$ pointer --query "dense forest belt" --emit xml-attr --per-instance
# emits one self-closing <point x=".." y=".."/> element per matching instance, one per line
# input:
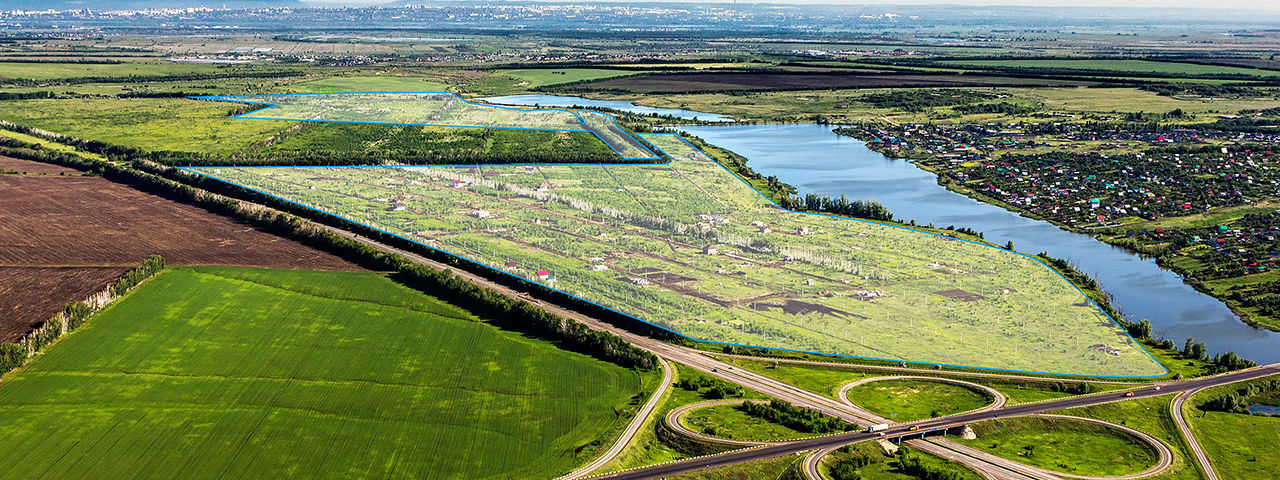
<point x="741" y="82"/>
<point x="500" y="310"/>
<point x="178" y="77"/>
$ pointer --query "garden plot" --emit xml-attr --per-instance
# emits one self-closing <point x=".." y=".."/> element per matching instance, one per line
<point x="691" y="248"/>
<point x="439" y="109"/>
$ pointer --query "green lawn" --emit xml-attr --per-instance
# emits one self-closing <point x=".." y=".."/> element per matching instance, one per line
<point x="257" y="373"/>
<point x="728" y="421"/>
<point x="177" y="124"/>
<point x="905" y="400"/>
<point x="1068" y="446"/>
<point x="380" y="83"/>
<point x="541" y="77"/>
<point x="1150" y="415"/>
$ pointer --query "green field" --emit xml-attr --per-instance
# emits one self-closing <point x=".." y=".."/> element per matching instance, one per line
<point x="633" y="238"/>
<point x="906" y="399"/>
<point x="380" y="83"/>
<point x="257" y="373"/>
<point x="176" y="124"/>
<point x="1064" y="445"/>
<point x="882" y="466"/>
<point x="541" y="77"/>
<point x="728" y="421"/>
<point x="409" y="144"/>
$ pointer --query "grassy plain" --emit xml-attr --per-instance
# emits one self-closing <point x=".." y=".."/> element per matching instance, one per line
<point x="904" y="400"/>
<point x="369" y="83"/>
<point x="1151" y="416"/>
<point x="1068" y="446"/>
<point x="633" y="237"/>
<point x="175" y="124"/>
<point x="49" y="71"/>
<point x="255" y="373"/>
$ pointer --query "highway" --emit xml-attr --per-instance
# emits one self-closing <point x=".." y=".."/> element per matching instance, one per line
<point x="766" y="452"/>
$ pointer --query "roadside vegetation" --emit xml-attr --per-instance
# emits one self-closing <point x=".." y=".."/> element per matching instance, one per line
<point x="868" y="461"/>
<point x="1063" y="445"/>
<point x="1247" y="451"/>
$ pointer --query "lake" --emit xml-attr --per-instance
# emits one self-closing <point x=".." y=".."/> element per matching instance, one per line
<point x="563" y="101"/>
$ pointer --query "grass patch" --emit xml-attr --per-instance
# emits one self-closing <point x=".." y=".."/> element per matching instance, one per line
<point x="1068" y="446"/>
<point x="874" y="464"/>
<point x="729" y="421"/>
<point x="904" y="400"/>
<point x="786" y="467"/>
<point x="257" y="373"/>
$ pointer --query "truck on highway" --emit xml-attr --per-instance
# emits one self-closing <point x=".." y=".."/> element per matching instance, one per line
<point x="879" y="427"/>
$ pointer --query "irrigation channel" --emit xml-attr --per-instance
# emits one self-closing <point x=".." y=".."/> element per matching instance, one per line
<point x="813" y="159"/>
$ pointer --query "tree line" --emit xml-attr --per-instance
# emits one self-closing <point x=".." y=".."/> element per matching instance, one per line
<point x="72" y="316"/>
<point x="795" y="418"/>
<point x="502" y="310"/>
<point x="812" y="202"/>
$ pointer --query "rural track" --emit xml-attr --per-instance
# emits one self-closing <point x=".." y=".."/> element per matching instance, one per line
<point x="632" y="429"/>
<point x="1189" y="436"/>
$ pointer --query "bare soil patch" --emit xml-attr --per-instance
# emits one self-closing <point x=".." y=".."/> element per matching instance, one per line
<point x="30" y="295"/>
<point x="961" y="295"/>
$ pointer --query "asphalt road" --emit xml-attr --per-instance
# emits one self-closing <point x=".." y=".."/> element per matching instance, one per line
<point x="762" y="453"/>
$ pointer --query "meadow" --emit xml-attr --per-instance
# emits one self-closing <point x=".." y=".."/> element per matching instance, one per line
<point x="729" y="421"/>
<point x="904" y="400"/>
<point x="689" y="247"/>
<point x="1248" y="451"/>
<point x="368" y="83"/>
<point x="214" y="372"/>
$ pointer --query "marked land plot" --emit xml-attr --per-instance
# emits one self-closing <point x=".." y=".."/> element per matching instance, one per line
<point x="440" y="109"/>
<point x="689" y="247"/>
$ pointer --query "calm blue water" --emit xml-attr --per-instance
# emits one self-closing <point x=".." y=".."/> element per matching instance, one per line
<point x="1264" y="410"/>
<point x="813" y="159"/>
<point x="563" y="101"/>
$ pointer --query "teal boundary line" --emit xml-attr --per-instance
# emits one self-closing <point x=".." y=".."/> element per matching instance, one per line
<point x="576" y="113"/>
<point x="196" y="170"/>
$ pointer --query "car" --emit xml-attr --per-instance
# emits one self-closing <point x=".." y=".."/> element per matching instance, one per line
<point x="1128" y="394"/>
<point x="913" y="428"/>
<point x="881" y="434"/>
<point x="1157" y="388"/>
<point x="714" y="370"/>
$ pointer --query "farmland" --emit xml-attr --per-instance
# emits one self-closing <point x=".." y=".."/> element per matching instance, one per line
<point x="438" y="109"/>
<point x="261" y="373"/>
<point x="736" y="81"/>
<point x="689" y="247"/>
<point x="66" y="237"/>
<point x="20" y="166"/>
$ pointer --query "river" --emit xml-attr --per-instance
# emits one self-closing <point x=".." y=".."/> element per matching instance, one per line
<point x="814" y="159"/>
